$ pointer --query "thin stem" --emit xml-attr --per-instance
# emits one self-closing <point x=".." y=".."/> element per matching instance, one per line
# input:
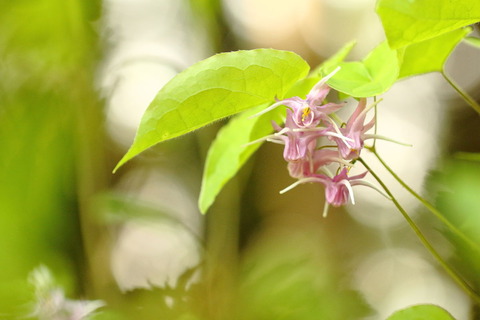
<point x="428" y="205"/>
<point x="462" y="93"/>
<point x="336" y="118"/>
<point x="424" y="240"/>
<point x="375" y="116"/>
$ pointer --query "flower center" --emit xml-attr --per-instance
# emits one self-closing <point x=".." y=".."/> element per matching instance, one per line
<point x="306" y="112"/>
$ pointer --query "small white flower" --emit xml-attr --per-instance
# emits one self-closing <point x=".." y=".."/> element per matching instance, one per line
<point x="51" y="303"/>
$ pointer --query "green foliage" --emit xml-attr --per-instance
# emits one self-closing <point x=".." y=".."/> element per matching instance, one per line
<point x="408" y="22"/>
<point x="370" y="77"/>
<point x="215" y="88"/>
<point x="456" y="187"/>
<point x="331" y="63"/>
<point x="228" y="152"/>
<point x="429" y="55"/>
<point x="116" y="209"/>
<point x="45" y="86"/>
<point x="288" y="275"/>
<point x="422" y="312"/>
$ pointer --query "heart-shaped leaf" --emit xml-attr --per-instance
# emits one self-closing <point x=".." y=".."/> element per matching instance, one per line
<point x="372" y="76"/>
<point x="407" y="22"/>
<point x="229" y="151"/>
<point x="215" y="88"/>
<point x="429" y="55"/>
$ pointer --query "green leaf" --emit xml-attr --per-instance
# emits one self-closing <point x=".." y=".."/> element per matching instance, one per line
<point x="429" y="55"/>
<point x="331" y="63"/>
<point x="372" y="76"/>
<point x="215" y="88"/>
<point x="422" y="312"/>
<point x="407" y="22"/>
<point x="228" y="152"/>
<point x="473" y="41"/>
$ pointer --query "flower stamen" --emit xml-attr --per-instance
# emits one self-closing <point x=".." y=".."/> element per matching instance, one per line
<point x="306" y="112"/>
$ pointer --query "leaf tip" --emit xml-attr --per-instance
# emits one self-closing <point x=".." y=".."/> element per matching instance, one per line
<point x="203" y="205"/>
<point x="119" y="164"/>
<point x="122" y="161"/>
<point x="207" y="195"/>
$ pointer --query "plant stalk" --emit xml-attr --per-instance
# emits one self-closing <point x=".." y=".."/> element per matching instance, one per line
<point x="468" y="99"/>
<point x="464" y="285"/>
<point x="428" y="205"/>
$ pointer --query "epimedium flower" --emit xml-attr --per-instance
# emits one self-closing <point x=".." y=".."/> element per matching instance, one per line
<point x="308" y="112"/>
<point x="338" y="189"/>
<point x="300" y="143"/>
<point x="355" y="130"/>
<point x="307" y="167"/>
<point x="306" y="121"/>
<point x="351" y="138"/>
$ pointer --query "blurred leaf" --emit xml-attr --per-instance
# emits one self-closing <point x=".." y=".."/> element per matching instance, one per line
<point x="228" y="152"/>
<point x="215" y="88"/>
<point x="422" y="312"/>
<point x="370" y="77"/>
<point x="170" y="302"/>
<point x="429" y="55"/>
<point x="407" y="22"/>
<point x="331" y="63"/>
<point x="461" y="203"/>
<point x="211" y="18"/>
<point x="456" y="188"/>
<point x="46" y="52"/>
<point x="290" y="275"/>
<point x="118" y="208"/>
<point x="473" y="41"/>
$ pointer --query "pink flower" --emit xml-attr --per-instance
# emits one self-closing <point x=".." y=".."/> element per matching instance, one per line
<point x="355" y="130"/>
<point x="338" y="189"/>
<point x="300" y="143"/>
<point x="308" y="167"/>
<point x="307" y="113"/>
<point x="306" y="121"/>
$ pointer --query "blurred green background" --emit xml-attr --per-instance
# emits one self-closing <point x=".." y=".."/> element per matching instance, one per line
<point x="136" y="240"/>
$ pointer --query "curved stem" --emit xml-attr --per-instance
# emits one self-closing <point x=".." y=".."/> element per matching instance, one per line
<point x="424" y="240"/>
<point x="462" y="93"/>
<point x="428" y="205"/>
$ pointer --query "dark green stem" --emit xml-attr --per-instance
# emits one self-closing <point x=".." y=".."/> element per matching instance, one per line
<point x="424" y="240"/>
<point x="462" y="93"/>
<point x="428" y="205"/>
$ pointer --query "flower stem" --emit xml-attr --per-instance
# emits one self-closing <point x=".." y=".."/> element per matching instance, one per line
<point x="424" y="240"/>
<point x="429" y="206"/>
<point x="462" y="93"/>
